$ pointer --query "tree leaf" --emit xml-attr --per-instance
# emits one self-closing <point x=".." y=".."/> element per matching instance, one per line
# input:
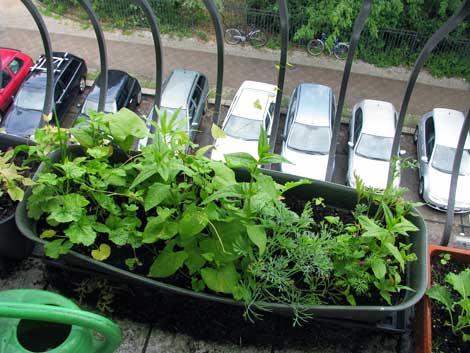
<point x="102" y="253"/>
<point x="167" y="263"/>
<point x="221" y="280"/>
<point x="257" y="235"/>
<point x="217" y="132"/>
<point x="156" y="194"/>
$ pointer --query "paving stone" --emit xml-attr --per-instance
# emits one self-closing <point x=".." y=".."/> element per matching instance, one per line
<point x="28" y="273"/>
<point x="164" y="342"/>
<point x="133" y="336"/>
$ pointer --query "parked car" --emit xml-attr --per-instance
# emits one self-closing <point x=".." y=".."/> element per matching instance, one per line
<point x="14" y="66"/>
<point x="24" y="115"/>
<point x="436" y="136"/>
<point x="251" y="109"/>
<point x="123" y="91"/>
<point x="371" y="132"/>
<point x="185" y="90"/>
<point x="308" y="131"/>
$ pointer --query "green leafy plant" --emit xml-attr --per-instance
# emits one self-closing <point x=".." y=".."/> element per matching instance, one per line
<point x="456" y="300"/>
<point x="162" y="211"/>
<point x="11" y="177"/>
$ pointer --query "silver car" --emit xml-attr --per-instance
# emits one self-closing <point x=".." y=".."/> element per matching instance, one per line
<point x="308" y="130"/>
<point x="436" y="136"/>
<point x="371" y="132"/>
<point x="186" y="90"/>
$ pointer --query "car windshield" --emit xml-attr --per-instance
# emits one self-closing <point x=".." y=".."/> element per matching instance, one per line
<point x="31" y="99"/>
<point x="310" y="139"/>
<point x="375" y="147"/>
<point x="109" y="107"/>
<point x="243" y="128"/>
<point x="180" y="119"/>
<point x="443" y="160"/>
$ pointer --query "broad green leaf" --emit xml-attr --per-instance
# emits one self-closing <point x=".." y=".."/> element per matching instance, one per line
<point x="107" y="202"/>
<point x="15" y="193"/>
<point x="272" y="158"/>
<point x="126" y="123"/>
<point x="83" y="136"/>
<point x="389" y="219"/>
<point x="378" y="267"/>
<point x="193" y="221"/>
<point x="225" y="176"/>
<point x="396" y="254"/>
<point x="144" y="174"/>
<point x="67" y="208"/>
<point x="81" y="232"/>
<point x="203" y="150"/>
<point x="167" y="263"/>
<point x="332" y="220"/>
<point x="99" y="152"/>
<point x="102" y="253"/>
<point x="156" y="194"/>
<point x="159" y="228"/>
<point x="257" y="235"/>
<point x="293" y="184"/>
<point x="48" y="233"/>
<point x="221" y="280"/>
<point x="404" y="227"/>
<point x="372" y="229"/>
<point x="217" y="132"/>
<point x="442" y="295"/>
<point x="460" y="282"/>
<point x="57" y="247"/>
<point x="240" y="160"/>
<point x="195" y="260"/>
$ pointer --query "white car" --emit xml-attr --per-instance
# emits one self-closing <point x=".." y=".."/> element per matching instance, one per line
<point x="251" y="109"/>
<point x="308" y="130"/>
<point x="437" y="136"/>
<point x="371" y="133"/>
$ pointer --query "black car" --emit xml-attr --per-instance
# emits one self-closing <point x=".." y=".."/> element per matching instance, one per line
<point x="123" y="91"/>
<point x="24" y="115"/>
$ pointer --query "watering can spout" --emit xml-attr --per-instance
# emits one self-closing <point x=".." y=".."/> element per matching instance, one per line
<point x="39" y="321"/>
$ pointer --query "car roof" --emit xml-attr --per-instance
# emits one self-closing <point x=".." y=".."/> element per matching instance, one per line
<point x="178" y="87"/>
<point x="116" y="80"/>
<point x="7" y="55"/>
<point x="247" y="96"/>
<point x="378" y="118"/>
<point x="314" y="104"/>
<point x="448" y="124"/>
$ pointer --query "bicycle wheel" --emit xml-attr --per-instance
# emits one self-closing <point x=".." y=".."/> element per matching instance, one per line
<point x="232" y="36"/>
<point x="341" y="51"/>
<point x="258" y="39"/>
<point x="315" y="47"/>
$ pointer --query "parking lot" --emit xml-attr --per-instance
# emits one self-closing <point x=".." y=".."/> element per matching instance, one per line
<point x="435" y="220"/>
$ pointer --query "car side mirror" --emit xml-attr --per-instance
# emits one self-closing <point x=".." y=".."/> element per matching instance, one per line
<point x="351" y="144"/>
<point x="424" y="159"/>
<point x="402" y="152"/>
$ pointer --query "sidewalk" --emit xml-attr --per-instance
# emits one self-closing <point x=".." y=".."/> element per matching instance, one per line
<point x="135" y="54"/>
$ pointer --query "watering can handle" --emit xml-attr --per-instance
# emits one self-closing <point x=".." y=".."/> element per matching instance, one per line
<point x="67" y="316"/>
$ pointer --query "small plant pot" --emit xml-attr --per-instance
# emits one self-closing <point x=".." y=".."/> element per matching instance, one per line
<point x="335" y="195"/>
<point x="423" y="321"/>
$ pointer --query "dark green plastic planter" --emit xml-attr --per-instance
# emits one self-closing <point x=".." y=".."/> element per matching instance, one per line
<point x="334" y="195"/>
<point x="12" y="244"/>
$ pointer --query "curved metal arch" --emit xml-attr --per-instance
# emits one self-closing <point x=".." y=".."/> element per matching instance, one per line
<point x="46" y="41"/>
<point x="355" y="36"/>
<point x="459" y="15"/>
<point x="453" y="181"/>
<point x="102" y="49"/>
<point x="152" y="19"/>
<point x="219" y="35"/>
<point x="284" y="22"/>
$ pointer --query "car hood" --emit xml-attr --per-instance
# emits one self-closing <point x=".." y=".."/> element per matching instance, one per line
<point x="439" y="185"/>
<point x="231" y="145"/>
<point x="305" y="165"/>
<point x="22" y="122"/>
<point x="373" y="173"/>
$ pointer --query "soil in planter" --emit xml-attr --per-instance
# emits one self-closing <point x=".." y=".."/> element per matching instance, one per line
<point x="214" y="322"/>
<point x="443" y="340"/>
<point x="7" y="206"/>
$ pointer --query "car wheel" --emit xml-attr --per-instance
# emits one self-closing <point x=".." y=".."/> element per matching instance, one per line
<point x="421" y="187"/>
<point x="139" y="98"/>
<point x="82" y="84"/>
<point x="415" y="135"/>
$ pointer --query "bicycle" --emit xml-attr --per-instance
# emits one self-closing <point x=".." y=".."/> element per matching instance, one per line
<point x="317" y="46"/>
<point x="255" y="36"/>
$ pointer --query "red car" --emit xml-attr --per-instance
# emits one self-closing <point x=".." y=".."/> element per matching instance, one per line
<point x="15" y="67"/>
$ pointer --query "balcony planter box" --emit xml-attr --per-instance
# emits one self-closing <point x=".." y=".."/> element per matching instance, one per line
<point x="423" y="322"/>
<point x="12" y="244"/>
<point x="334" y="195"/>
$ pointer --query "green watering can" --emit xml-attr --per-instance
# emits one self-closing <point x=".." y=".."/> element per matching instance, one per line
<point x="39" y="321"/>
